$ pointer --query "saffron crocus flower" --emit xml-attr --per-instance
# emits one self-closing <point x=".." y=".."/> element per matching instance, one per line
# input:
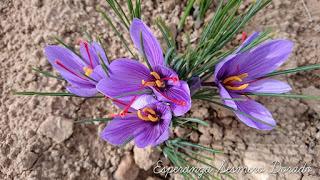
<point x="82" y="73"/>
<point x="128" y="76"/>
<point x="244" y="72"/>
<point x="147" y="126"/>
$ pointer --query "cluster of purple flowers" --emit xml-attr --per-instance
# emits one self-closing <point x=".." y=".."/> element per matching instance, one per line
<point x="150" y="96"/>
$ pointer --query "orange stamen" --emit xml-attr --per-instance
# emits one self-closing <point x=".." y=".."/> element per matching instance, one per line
<point x="232" y="79"/>
<point x="150" y="115"/>
<point x="237" y="88"/>
<point x="155" y="75"/>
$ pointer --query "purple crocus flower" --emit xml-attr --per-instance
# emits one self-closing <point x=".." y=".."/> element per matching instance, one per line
<point x="82" y="73"/>
<point x="244" y="72"/>
<point x="128" y="77"/>
<point x="148" y="125"/>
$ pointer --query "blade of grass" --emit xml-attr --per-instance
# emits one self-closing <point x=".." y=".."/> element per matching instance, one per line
<point x="296" y="96"/>
<point x="86" y="121"/>
<point x="186" y="13"/>
<point x="294" y="70"/>
<point x="33" y="93"/>
<point x="143" y="52"/>
<point x="193" y="120"/>
<point x="46" y="73"/>
<point x="106" y="17"/>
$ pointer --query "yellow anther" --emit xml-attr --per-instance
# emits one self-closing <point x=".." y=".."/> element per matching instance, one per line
<point x="149" y="110"/>
<point x="232" y="79"/>
<point x="153" y="118"/>
<point x="228" y="81"/>
<point x="242" y="76"/>
<point x="159" y="83"/>
<point x="145" y="118"/>
<point x="235" y="78"/>
<point x="149" y="115"/>
<point x="146" y="83"/>
<point x="237" y="88"/>
<point x="155" y="75"/>
<point x="87" y="71"/>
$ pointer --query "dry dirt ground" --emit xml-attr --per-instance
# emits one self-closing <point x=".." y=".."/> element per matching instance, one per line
<point x="39" y="141"/>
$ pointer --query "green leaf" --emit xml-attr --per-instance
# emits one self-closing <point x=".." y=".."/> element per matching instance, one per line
<point x="294" y="70"/>
<point x="185" y="143"/>
<point x="106" y="17"/>
<point x="33" y="93"/>
<point x="166" y="33"/>
<point x="130" y="7"/>
<point x="59" y="41"/>
<point x="143" y="52"/>
<point x="119" y="12"/>
<point x="89" y="121"/>
<point x="186" y="13"/>
<point x="192" y="120"/>
<point x="296" y="96"/>
<point x="47" y="73"/>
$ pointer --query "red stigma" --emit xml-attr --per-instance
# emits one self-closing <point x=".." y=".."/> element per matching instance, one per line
<point x="127" y="106"/>
<point x="88" y="52"/>
<point x="174" y="79"/>
<point x="176" y="101"/>
<point x="59" y="63"/>
<point x="243" y="36"/>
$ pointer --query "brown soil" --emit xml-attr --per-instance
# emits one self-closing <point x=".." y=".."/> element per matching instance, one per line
<point x="31" y="148"/>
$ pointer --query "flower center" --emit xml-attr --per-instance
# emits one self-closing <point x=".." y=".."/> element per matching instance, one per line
<point x="228" y="82"/>
<point x="148" y="114"/>
<point x="158" y="81"/>
<point x="87" y="71"/>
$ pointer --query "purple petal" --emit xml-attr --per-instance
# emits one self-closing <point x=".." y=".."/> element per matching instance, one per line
<point x="100" y="52"/>
<point x="195" y="84"/>
<point x="142" y="101"/>
<point x="151" y="45"/>
<point x="156" y="133"/>
<point x="149" y="135"/>
<point x="225" y="95"/>
<point x="259" y="61"/>
<point x="83" y="91"/>
<point x="178" y="97"/>
<point x="70" y="60"/>
<point x="166" y="72"/>
<point x="89" y="54"/>
<point x="121" y="130"/>
<point x="126" y="77"/>
<point x="99" y="73"/>
<point x="251" y="38"/>
<point x="268" y="86"/>
<point x="222" y="70"/>
<point x="262" y="120"/>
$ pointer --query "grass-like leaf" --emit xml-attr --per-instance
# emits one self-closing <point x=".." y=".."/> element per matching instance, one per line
<point x="46" y="73"/>
<point x="295" y="96"/>
<point x="186" y="13"/>
<point x="106" y="17"/>
<point x="143" y="51"/>
<point x="294" y="70"/>
<point x="33" y="93"/>
<point x="89" y="121"/>
<point x="117" y="9"/>
<point x="191" y="120"/>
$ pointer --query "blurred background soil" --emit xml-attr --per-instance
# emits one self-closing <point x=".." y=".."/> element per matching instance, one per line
<point x="38" y="139"/>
